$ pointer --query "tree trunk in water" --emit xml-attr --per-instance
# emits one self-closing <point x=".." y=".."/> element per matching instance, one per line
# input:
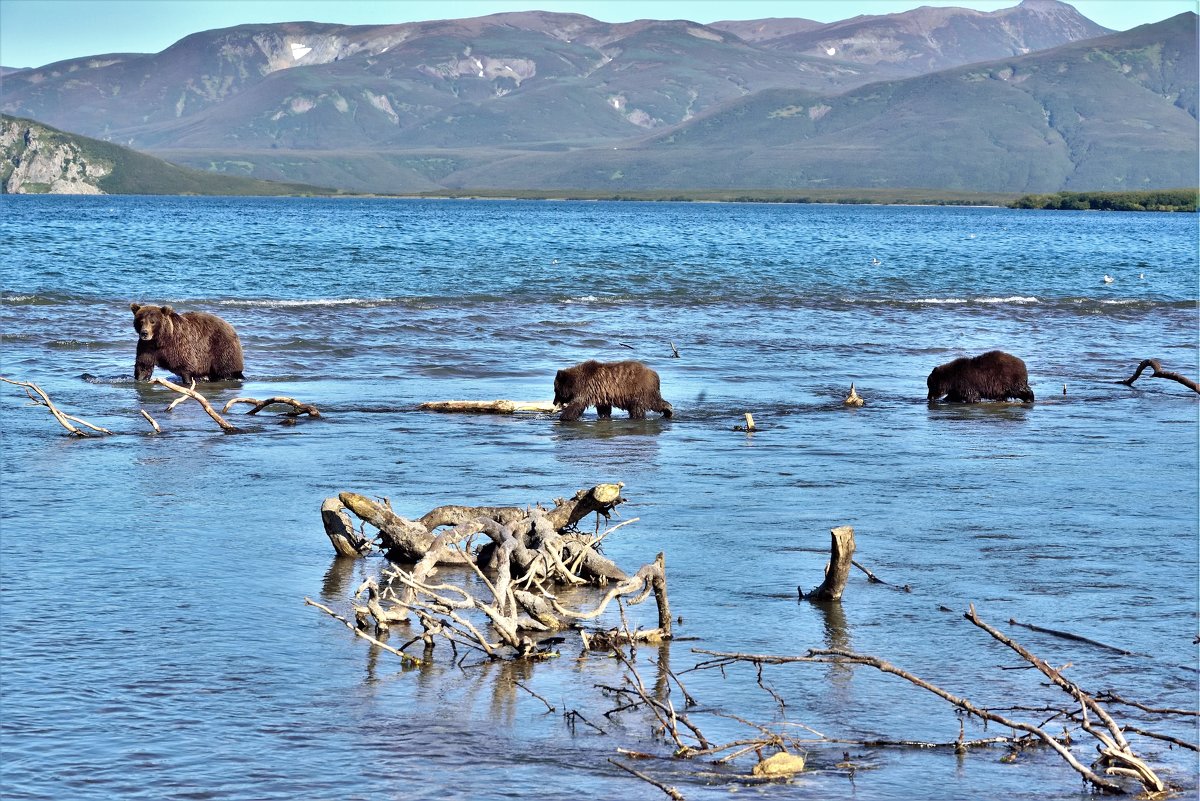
<point x="841" y="557"/>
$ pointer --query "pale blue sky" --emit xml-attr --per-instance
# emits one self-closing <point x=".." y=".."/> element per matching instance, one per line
<point x="38" y="32"/>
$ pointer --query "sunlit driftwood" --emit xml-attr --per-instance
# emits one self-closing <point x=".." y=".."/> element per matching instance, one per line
<point x="1117" y="758"/>
<point x="298" y="408"/>
<point x="40" y="398"/>
<point x="488" y="407"/>
<point x="517" y="556"/>
<point x="153" y="423"/>
<point x="1158" y="372"/>
<point x="346" y="541"/>
<point x="187" y="392"/>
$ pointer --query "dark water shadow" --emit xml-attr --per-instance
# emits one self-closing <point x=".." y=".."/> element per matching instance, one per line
<point x="610" y="428"/>
<point x="984" y="412"/>
<point x="608" y="442"/>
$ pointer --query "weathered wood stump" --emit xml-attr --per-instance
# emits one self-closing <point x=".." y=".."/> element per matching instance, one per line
<point x="841" y="559"/>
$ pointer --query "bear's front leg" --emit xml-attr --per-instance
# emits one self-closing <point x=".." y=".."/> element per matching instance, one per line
<point x="603" y="411"/>
<point x="143" y="366"/>
<point x="572" y="411"/>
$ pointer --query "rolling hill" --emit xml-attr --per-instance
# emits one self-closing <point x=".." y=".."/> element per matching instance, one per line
<point x="538" y="100"/>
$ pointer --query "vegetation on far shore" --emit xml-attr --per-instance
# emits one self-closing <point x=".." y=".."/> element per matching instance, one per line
<point x="899" y="197"/>
<point x="1144" y="200"/>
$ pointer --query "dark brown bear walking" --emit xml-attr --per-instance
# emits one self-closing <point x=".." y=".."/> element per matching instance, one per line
<point x="194" y="345"/>
<point x="994" y="375"/>
<point x="630" y="385"/>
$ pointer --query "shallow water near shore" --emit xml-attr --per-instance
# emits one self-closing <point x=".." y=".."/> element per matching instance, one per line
<point x="154" y="641"/>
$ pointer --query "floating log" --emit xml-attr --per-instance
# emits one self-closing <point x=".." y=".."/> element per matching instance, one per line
<point x="488" y="407"/>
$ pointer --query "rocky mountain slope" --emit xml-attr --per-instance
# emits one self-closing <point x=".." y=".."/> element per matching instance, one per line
<point x="37" y="159"/>
<point x="929" y="39"/>
<point x="535" y="99"/>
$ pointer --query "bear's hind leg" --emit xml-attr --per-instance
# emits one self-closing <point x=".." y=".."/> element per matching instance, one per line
<point x="603" y="411"/>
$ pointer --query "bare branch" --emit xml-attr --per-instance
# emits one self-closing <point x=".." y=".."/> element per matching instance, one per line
<point x="412" y="660"/>
<point x="298" y="407"/>
<point x="152" y="421"/>
<point x="1160" y="373"/>
<point x="43" y="399"/>
<point x="225" y="425"/>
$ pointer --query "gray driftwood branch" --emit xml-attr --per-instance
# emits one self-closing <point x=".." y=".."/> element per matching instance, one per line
<point x="1158" y="372"/>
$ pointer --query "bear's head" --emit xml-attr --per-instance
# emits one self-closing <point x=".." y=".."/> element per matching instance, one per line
<point x="564" y="387"/>
<point x="152" y="322"/>
<point x="937" y="382"/>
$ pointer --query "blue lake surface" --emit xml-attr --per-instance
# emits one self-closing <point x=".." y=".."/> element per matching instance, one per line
<point x="154" y="642"/>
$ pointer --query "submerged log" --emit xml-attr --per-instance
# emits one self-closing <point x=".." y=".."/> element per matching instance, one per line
<point x="488" y="407"/>
<point x="841" y="558"/>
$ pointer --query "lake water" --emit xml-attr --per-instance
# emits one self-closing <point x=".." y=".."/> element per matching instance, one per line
<point x="154" y="639"/>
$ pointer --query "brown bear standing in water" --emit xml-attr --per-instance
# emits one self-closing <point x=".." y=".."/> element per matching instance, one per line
<point x="630" y="385"/>
<point x="994" y="375"/>
<point x="194" y="345"/>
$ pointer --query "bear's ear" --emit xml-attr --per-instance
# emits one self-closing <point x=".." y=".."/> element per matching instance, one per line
<point x="133" y="307"/>
<point x="167" y="310"/>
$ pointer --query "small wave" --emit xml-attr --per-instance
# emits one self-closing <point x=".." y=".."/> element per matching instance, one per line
<point x="990" y="300"/>
<point x="585" y="299"/>
<point x="316" y="302"/>
<point x="46" y="299"/>
<point x="77" y="344"/>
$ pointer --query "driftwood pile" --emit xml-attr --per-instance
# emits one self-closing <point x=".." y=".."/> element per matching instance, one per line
<point x="524" y="554"/>
<point x="519" y="555"/>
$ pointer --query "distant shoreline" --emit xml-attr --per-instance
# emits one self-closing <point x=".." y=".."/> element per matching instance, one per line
<point x="1162" y="200"/>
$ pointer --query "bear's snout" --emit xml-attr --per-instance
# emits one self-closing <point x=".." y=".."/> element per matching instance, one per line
<point x="146" y="333"/>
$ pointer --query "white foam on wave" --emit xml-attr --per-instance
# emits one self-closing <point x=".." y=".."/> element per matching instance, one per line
<point x="1010" y="299"/>
<point x="17" y="298"/>
<point x="596" y="299"/>
<point x="274" y="304"/>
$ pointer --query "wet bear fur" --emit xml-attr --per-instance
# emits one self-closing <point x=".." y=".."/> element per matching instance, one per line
<point x="994" y="375"/>
<point x="628" y="385"/>
<point x="194" y="345"/>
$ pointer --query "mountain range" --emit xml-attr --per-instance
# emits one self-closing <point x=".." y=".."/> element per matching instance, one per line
<point x="1034" y="98"/>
